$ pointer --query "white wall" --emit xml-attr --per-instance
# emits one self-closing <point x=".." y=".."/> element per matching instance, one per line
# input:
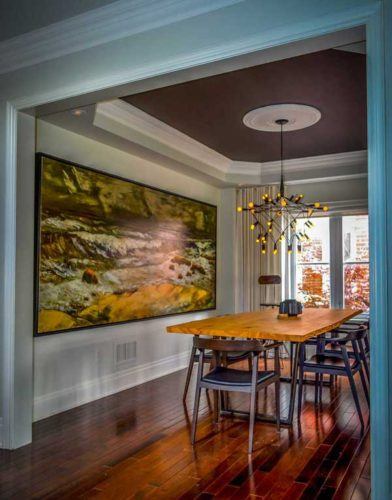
<point x="76" y="367"/>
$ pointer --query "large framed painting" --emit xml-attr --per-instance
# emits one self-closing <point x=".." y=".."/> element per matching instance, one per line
<point x="110" y="250"/>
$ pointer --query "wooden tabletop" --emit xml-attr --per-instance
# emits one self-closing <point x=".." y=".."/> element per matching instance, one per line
<point x="265" y="324"/>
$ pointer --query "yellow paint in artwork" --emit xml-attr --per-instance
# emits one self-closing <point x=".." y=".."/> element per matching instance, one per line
<point x="51" y="320"/>
<point x="146" y="302"/>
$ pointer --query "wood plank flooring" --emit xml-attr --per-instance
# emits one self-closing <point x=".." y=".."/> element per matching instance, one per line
<point x="135" y="444"/>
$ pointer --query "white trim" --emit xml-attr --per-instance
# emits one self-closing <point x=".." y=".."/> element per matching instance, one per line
<point x="358" y="47"/>
<point x="122" y="119"/>
<point x="315" y="178"/>
<point x="71" y="397"/>
<point x="308" y="164"/>
<point x="9" y="242"/>
<point x="360" y="204"/>
<point x="146" y="130"/>
<point x="336" y="260"/>
<point x="117" y="20"/>
<point x="333" y="22"/>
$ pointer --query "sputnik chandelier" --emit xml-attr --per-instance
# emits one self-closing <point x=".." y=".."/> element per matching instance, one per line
<point x="274" y="220"/>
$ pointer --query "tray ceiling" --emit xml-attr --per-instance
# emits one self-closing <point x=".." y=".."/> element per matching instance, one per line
<point x="210" y="110"/>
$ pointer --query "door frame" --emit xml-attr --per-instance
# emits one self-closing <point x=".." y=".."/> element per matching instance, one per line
<point x="372" y="17"/>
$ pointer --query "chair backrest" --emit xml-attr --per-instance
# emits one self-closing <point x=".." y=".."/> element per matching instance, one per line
<point x="223" y="345"/>
<point x="350" y="335"/>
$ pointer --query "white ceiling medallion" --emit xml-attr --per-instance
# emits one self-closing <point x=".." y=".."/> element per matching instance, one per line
<point x="298" y="116"/>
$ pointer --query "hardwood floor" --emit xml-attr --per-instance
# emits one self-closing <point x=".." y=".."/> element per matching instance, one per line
<point x="135" y="444"/>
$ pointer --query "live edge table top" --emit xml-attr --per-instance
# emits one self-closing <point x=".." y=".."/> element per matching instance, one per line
<point x="266" y="325"/>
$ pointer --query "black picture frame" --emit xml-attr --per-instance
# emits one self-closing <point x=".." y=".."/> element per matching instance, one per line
<point x="37" y="233"/>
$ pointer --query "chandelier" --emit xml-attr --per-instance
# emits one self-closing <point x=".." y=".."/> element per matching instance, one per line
<point x="274" y="219"/>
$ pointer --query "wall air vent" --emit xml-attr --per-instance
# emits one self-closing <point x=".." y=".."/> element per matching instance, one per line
<point x="125" y="353"/>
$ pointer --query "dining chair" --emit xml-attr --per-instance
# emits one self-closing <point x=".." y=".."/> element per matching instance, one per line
<point x="223" y="378"/>
<point x="337" y="363"/>
<point x="231" y="358"/>
<point x="362" y="343"/>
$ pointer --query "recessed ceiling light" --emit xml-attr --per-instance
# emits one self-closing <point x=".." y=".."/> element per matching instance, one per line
<point x="78" y="112"/>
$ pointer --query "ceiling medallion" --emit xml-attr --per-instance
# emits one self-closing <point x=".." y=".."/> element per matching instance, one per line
<point x="266" y="118"/>
<point x="274" y="220"/>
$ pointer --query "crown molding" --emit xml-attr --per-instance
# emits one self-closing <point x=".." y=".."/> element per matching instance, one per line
<point x="122" y="119"/>
<point x="336" y="161"/>
<point x="117" y="20"/>
<point x="357" y="206"/>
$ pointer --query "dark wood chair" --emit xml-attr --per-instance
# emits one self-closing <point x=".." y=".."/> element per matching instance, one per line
<point x="362" y="343"/>
<point x="223" y="378"/>
<point x="335" y="362"/>
<point x="231" y="358"/>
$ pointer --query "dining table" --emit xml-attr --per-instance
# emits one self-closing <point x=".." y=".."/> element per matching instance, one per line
<point x="268" y="325"/>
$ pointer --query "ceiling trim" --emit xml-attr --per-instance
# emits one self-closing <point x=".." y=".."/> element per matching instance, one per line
<point x="133" y="124"/>
<point x="335" y="161"/>
<point x="330" y="178"/>
<point x="111" y="22"/>
<point x="122" y="119"/>
<point x="357" y="205"/>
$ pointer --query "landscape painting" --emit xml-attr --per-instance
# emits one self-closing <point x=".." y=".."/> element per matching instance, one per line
<point x="109" y="250"/>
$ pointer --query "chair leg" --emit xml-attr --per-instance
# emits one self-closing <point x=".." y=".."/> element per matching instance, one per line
<point x="364" y="359"/>
<point x="356" y="399"/>
<point x="316" y="384"/>
<point x="252" y="416"/>
<point x="252" y="412"/>
<point x="189" y="373"/>
<point x="216" y="406"/>
<point x="320" y="398"/>
<point x="265" y="361"/>
<point x="277" y="404"/>
<point x="300" y="388"/>
<point x="365" y="388"/>
<point x="195" y="414"/>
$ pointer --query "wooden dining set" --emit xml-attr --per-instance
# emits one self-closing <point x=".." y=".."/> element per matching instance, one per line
<point x="324" y="342"/>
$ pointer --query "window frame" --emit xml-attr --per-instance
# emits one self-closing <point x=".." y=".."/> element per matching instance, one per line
<point x="336" y="262"/>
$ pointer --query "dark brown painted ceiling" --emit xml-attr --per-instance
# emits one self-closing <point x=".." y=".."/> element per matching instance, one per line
<point x="211" y="109"/>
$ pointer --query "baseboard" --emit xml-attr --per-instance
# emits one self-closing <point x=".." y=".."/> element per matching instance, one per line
<point x="65" y="399"/>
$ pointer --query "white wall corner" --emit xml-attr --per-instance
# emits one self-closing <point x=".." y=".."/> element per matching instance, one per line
<point x="85" y="392"/>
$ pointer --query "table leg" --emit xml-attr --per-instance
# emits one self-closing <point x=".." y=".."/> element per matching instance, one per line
<point x="294" y="378"/>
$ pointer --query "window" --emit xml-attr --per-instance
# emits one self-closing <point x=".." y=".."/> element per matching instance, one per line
<point x="332" y="270"/>
<point x="313" y="265"/>
<point x="356" y="261"/>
